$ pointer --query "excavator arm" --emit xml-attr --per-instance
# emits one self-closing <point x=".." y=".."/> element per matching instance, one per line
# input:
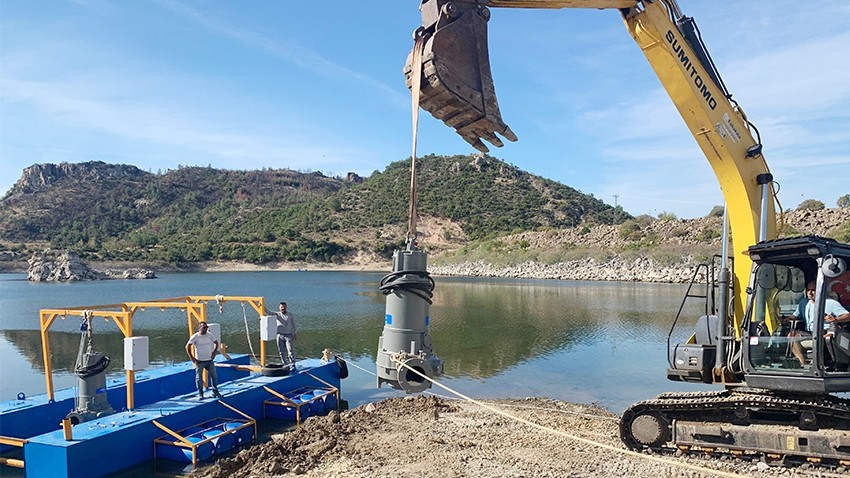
<point x="457" y="88"/>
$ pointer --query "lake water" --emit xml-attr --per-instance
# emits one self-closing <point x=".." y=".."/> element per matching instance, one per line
<point x="587" y="342"/>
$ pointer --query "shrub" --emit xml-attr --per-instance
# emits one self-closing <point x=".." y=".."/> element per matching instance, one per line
<point x="788" y="231"/>
<point x="811" y="205"/>
<point x="842" y="232"/>
<point x="708" y="235"/>
<point x="644" y="220"/>
<point x="630" y="230"/>
<point x="667" y="216"/>
<point x="584" y="231"/>
<point x="843" y="201"/>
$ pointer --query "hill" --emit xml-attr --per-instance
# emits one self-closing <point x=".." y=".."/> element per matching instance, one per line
<point x="643" y="248"/>
<point x="191" y="214"/>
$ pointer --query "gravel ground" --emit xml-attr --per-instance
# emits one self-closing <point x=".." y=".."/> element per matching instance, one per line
<point x="430" y="437"/>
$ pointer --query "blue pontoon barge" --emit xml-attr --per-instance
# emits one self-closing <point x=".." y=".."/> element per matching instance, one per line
<point x="161" y="415"/>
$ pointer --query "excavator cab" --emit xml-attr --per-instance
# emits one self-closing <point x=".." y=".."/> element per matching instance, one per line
<point x="452" y="61"/>
<point x="785" y="351"/>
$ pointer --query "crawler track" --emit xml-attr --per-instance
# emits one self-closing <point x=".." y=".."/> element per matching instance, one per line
<point x="780" y="427"/>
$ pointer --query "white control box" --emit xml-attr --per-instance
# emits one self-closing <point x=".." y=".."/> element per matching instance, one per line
<point x="136" y="353"/>
<point x="268" y="327"/>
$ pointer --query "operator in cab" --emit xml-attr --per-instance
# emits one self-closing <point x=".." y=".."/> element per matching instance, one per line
<point x="834" y="313"/>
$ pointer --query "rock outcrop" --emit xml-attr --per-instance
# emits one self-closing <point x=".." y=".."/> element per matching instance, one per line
<point x="59" y="266"/>
<point x="67" y="266"/>
<point x="40" y="176"/>
<point x="136" y="273"/>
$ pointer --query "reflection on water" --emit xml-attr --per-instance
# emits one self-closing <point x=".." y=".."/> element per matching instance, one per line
<point x="578" y="341"/>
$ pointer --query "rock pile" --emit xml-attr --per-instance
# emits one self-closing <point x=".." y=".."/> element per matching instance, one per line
<point x="136" y="273"/>
<point x="615" y="269"/>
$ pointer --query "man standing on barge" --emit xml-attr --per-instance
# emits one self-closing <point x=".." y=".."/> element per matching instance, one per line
<point x="287" y="332"/>
<point x="206" y="348"/>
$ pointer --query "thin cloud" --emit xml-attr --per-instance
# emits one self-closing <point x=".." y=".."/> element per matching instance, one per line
<point x="301" y="56"/>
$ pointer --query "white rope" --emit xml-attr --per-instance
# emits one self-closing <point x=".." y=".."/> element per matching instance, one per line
<point x="248" y="333"/>
<point x="361" y="368"/>
<point x="448" y="397"/>
<point x="634" y="454"/>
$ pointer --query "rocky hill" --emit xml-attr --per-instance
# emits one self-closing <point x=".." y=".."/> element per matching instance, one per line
<point x="640" y="249"/>
<point x="194" y="214"/>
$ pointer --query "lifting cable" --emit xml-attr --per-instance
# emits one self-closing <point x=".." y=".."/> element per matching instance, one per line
<point x="416" y="80"/>
<point x="400" y="280"/>
<point x="658" y="459"/>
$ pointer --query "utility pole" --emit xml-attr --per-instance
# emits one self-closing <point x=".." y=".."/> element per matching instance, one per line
<point x="616" y="212"/>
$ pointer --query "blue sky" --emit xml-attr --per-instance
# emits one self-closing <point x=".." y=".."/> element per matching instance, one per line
<point x="318" y="86"/>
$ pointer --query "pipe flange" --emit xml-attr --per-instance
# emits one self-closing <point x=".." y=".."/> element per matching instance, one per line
<point x="409" y="380"/>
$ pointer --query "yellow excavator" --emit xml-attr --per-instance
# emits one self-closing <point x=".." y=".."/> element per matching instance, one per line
<point x="780" y="368"/>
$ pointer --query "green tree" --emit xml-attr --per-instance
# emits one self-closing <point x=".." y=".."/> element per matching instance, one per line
<point x="843" y="201"/>
<point x="811" y="205"/>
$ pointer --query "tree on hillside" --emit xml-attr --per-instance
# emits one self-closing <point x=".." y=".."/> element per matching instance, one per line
<point x="844" y="201"/>
<point x="811" y="205"/>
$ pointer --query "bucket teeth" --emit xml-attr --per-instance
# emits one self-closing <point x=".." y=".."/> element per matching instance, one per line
<point x="456" y="84"/>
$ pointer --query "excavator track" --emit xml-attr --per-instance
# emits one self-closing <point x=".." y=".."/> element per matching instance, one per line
<point x="783" y="427"/>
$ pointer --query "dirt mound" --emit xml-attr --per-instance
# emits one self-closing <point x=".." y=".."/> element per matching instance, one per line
<point x="430" y="437"/>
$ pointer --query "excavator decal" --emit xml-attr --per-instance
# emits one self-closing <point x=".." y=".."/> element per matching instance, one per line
<point x="691" y="69"/>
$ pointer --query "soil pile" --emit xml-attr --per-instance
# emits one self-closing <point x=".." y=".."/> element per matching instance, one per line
<point x="426" y="436"/>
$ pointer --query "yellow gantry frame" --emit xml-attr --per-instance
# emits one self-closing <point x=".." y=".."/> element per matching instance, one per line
<point x="719" y="126"/>
<point x="122" y="314"/>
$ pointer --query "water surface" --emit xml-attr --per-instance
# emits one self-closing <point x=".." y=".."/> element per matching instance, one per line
<point x="588" y="342"/>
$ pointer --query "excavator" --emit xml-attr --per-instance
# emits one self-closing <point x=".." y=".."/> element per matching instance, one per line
<point x="781" y="376"/>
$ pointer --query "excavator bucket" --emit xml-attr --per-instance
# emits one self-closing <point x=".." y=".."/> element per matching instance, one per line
<point x="454" y="66"/>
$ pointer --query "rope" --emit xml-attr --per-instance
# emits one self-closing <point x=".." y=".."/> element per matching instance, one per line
<point x="570" y="436"/>
<point x="349" y="362"/>
<point x="248" y="333"/>
<point x="447" y="397"/>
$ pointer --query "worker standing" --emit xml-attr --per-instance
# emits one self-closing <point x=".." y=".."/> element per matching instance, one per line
<point x="206" y="348"/>
<point x="287" y="332"/>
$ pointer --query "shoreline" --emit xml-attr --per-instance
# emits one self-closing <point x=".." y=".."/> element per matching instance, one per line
<point x="22" y="267"/>
<point x="616" y="269"/>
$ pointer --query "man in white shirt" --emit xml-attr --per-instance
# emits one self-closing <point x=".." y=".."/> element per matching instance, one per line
<point x="205" y="349"/>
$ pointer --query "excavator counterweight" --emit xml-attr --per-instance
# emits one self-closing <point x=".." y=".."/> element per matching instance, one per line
<point x="457" y="86"/>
